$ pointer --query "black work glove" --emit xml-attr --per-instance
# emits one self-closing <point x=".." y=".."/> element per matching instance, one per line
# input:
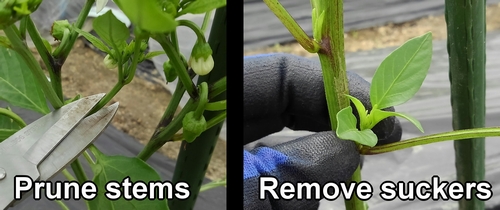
<point x="282" y="90"/>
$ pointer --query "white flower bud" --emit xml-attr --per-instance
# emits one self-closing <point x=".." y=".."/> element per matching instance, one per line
<point x="201" y="66"/>
<point x="109" y="62"/>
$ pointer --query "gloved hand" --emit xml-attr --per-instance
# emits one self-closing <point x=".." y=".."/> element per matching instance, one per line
<point x="282" y="90"/>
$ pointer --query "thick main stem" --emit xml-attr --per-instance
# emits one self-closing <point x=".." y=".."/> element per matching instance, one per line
<point x="332" y="60"/>
<point x="466" y="25"/>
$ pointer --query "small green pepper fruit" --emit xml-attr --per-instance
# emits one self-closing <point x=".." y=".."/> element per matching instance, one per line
<point x="170" y="73"/>
<point x="58" y="29"/>
<point x="201" y="60"/>
<point x="192" y="127"/>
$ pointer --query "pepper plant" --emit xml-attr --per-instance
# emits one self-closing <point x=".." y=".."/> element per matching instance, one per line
<point x="24" y="84"/>
<point x="397" y="79"/>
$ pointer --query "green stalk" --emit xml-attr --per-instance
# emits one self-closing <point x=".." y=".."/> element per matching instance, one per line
<point x="68" y="175"/>
<point x="466" y="26"/>
<point x="193" y="27"/>
<point x="194" y="157"/>
<point x="206" y="20"/>
<point x="297" y="32"/>
<point x="64" y="42"/>
<point x="62" y="205"/>
<point x="19" y="46"/>
<point x="46" y="56"/>
<point x="12" y="115"/>
<point x="217" y="88"/>
<point x="174" y="40"/>
<point x="105" y="100"/>
<point x="216" y="106"/>
<point x="354" y="202"/>
<point x="130" y="72"/>
<point x="79" y="172"/>
<point x="74" y="35"/>
<point x="213" y="184"/>
<point x="217" y="119"/>
<point x="22" y="27"/>
<point x="168" y="115"/>
<point x="422" y="140"/>
<point x="166" y="134"/>
<point x="178" y="65"/>
<point x="332" y="58"/>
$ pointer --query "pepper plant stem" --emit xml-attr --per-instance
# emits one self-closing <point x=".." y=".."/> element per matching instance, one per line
<point x="74" y="35"/>
<point x="178" y="65"/>
<point x="333" y="66"/>
<point x="297" y="32"/>
<point x="466" y="27"/>
<point x="422" y="140"/>
<point x="79" y="172"/>
<point x="105" y="100"/>
<point x="194" y="27"/>
<point x="132" y="68"/>
<point x="168" y="115"/>
<point x="217" y="88"/>
<point x="166" y="134"/>
<point x="19" y="46"/>
<point x="355" y="202"/>
<point x="46" y="56"/>
<point x="12" y="115"/>
<point x="206" y="20"/>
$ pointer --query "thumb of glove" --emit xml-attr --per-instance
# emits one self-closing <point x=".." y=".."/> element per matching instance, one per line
<point x="315" y="159"/>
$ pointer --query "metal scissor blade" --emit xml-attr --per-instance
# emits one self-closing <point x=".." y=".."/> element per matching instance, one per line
<point x="75" y="143"/>
<point x="22" y="140"/>
<point x="16" y="152"/>
<point x="51" y="138"/>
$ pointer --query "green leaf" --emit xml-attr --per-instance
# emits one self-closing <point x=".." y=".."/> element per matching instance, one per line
<point x="363" y="114"/>
<point x="150" y="55"/>
<point x="346" y="129"/>
<point x="18" y="86"/>
<point x="6" y="133"/>
<point x="111" y="30"/>
<point x="117" y="168"/>
<point x="94" y="40"/>
<point x="154" y="20"/>
<point x="402" y="73"/>
<point x="378" y="115"/>
<point x="201" y="6"/>
<point x="7" y="127"/>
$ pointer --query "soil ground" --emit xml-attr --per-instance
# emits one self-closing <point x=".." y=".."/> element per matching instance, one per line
<point x="142" y="103"/>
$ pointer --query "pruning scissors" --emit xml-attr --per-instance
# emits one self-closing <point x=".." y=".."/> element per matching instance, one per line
<point x="46" y="146"/>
